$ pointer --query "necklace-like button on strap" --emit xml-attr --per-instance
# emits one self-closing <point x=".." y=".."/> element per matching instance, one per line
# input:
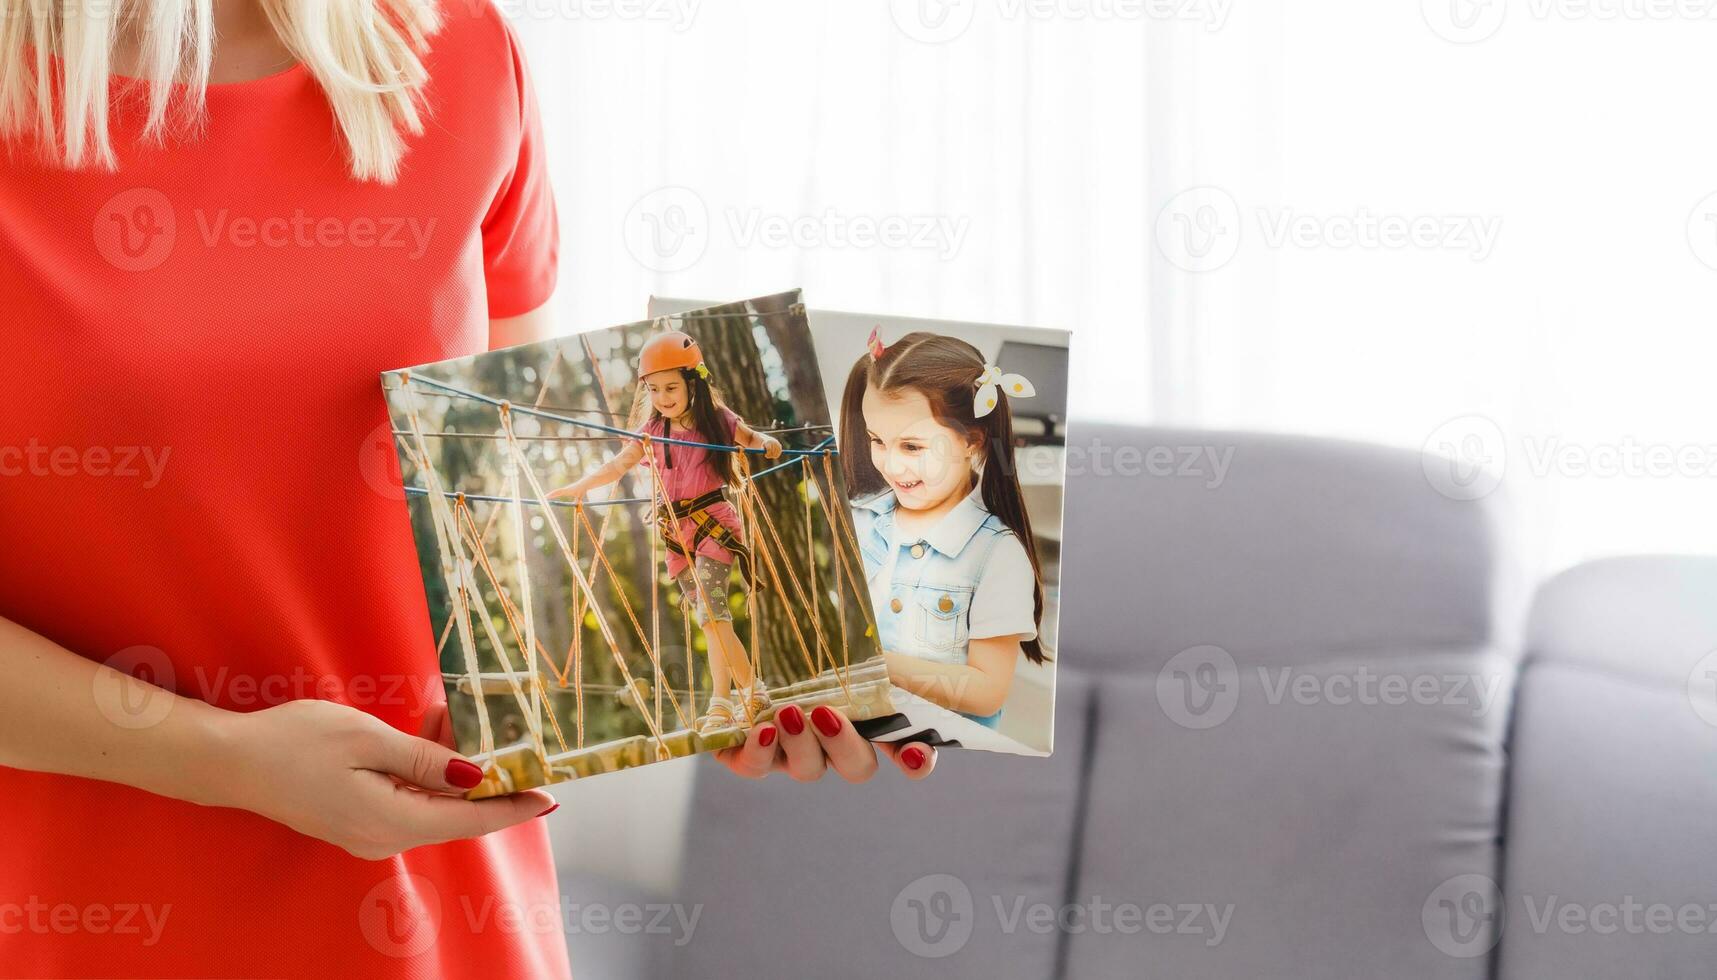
<point x="894" y="604"/>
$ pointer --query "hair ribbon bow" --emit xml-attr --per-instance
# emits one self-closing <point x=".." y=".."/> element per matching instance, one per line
<point x="993" y="380"/>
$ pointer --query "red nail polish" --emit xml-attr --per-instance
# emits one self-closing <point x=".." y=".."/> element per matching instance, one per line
<point x="792" y="719"/>
<point x="766" y="736"/>
<point x="914" y="756"/>
<point x="549" y="811"/>
<point x="463" y="774"/>
<point x="826" y="720"/>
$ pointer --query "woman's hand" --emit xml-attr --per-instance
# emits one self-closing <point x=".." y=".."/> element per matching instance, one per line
<point x="771" y="447"/>
<point x="326" y="770"/>
<point x="805" y="748"/>
<point x="344" y="776"/>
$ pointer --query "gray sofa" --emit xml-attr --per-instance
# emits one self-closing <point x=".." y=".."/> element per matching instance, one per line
<point x="1309" y="724"/>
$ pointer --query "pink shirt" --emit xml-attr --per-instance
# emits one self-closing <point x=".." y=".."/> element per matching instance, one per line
<point x="692" y="475"/>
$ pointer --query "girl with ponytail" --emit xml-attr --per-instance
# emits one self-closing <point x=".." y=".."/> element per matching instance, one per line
<point x="926" y="438"/>
<point x="702" y="533"/>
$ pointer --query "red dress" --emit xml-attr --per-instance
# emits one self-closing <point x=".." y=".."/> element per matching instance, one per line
<point x="196" y="470"/>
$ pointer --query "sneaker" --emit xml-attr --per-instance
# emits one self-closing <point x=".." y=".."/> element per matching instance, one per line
<point x="753" y="701"/>
<point x="719" y="716"/>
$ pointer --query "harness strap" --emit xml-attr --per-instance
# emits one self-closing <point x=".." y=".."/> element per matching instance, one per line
<point x="705" y="525"/>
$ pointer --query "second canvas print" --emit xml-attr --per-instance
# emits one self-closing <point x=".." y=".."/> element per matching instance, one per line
<point x="635" y="542"/>
<point x="952" y="440"/>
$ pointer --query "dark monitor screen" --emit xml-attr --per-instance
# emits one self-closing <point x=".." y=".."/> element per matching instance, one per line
<point x="1046" y="368"/>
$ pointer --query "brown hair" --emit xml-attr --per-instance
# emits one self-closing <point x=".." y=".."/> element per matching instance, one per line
<point x="707" y="421"/>
<point x="945" y="371"/>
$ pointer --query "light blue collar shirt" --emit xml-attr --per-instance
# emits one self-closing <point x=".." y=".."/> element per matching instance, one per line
<point x="922" y="589"/>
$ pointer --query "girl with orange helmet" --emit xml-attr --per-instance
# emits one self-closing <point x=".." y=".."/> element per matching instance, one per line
<point x="707" y="541"/>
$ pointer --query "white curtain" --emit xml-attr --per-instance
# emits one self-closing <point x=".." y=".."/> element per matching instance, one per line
<point x="1474" y="226"/>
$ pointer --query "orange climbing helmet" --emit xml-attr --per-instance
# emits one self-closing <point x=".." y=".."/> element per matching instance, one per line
<point x="669" y="350"/>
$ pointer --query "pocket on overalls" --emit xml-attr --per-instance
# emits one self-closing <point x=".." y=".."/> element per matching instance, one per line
<point x="942" y="617"/>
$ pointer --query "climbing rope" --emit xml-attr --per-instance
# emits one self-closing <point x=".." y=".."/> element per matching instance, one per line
<point x="461" y="551"/>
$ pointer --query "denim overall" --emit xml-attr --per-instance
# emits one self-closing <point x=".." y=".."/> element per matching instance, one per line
<point x="927" y="610"/>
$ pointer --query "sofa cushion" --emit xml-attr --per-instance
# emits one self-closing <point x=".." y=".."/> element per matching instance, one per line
<point x="1278" y="548"/>
<point x="889" y="878"/>
<point x="1301" y="735"/>
<point x="1610" y="858"/>
<point x="1312" y="826"/>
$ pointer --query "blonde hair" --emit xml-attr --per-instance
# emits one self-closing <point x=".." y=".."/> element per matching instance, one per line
<point x="365" y="55"/>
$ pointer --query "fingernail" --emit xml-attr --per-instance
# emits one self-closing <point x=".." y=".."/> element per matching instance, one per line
<point x="766" y="736"/>
<point x="826" y="720"/>
<point x="914" y="756"/>
<point x="463" y="774"/>
<point x="557" y="806"/>
<point x="792" y="719"/>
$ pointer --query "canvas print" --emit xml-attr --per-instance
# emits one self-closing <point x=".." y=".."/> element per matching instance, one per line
<point x="635" y="542"/>
<point x="952" y="440"/>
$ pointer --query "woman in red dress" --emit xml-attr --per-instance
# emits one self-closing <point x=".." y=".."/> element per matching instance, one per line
<point x="212" y="628"/>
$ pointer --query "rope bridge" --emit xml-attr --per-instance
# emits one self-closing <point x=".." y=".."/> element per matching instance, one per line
<point x="463" y="555"/>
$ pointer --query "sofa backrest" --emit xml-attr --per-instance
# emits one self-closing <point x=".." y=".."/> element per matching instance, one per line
<point x="1279" y="719"/>
<point x="1611" y="850"/>
<point x="1300" y="707"/>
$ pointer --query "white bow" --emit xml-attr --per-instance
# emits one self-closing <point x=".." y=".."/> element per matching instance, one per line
<point x="1015" y="385"/>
